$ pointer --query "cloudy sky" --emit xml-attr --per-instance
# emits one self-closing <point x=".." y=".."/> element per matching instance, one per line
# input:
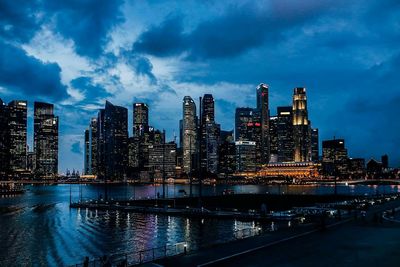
<point x="78" y="53"/>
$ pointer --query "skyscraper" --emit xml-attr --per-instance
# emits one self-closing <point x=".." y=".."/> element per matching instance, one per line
<point x="101" y="160"/>
<point x="45" y="132"/>
<point x="301" y="129"/>
<point x="263" y="108"/>
<point x="116" y="141"/>
<point x="243" y="119"/>
<point x="90" y="166"/>
<point x="314" y="145"/>
<point x="285" y="134"/>
<point x="226" y="155"/>
<point x="140" y="119"/>
<point x="273" y="134"/>
<point x="17" y="123"/>
<point x="4" y="142"/>
<point x="189" y="133"/>
<point x="210" y="132"/>
<point x="334" y="156"/>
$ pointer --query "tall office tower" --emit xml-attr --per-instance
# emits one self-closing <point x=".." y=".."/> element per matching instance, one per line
<point x="140" y="119"/>
<point x="45" y="132"/>
<point x="90" y="166"/>
<point x="116" y="141"/>
<point x="301" y="129"/>
<point x="86" y="155"/>
<point x="243" y="119"/>
<point x="17" y="123"/>
<point x="4" y="142"/>
<point x="93" y="141"/>
<point x="227" y="152"/>
<point x="263" y="107"/>
<point x="314" y="145"/>
<point x="180" y="133"/>
<point x="189" y="133"/>
<point x="210" y="132"/>
<point x="285" y="134"/>
<point x="273" y="133"/>
<point x="207" y="113"/>
<point x="245" y="156"/>
<point x="334" y="156"/>
<point x="101" y="145"/>
<point x="162" y="159"/>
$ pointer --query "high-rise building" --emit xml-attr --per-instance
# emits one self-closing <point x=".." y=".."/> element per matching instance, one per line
<point x="17" y="124"/>
<point x="162" y="160"/>
<point x="116" y="141"/>
<point x="45" y="132"/>
<point x="301" y="128"/>
<point x="385" y="161"/>
<point x="243" y="119"/>
<point x="4" y="142"/>
<point x="273" y="134"/>
<point x="210" y="132"/>
<point x="140" y="119"/>
<point x="263" y="108"/>
<point x="245" y="156"/>
<point x="227" y="154"/>
<point x="93" y="142"/>
<point x="334" y="156"/>
<point x="86" y="155"/>
<point x="207" y="113"/>
<point x="189" y="133"/>
<point x="101" y="145"/>
<point x="285" y="134"/>
<point x="314" y="145"/>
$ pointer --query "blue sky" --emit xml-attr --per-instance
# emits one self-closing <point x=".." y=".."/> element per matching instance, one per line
<point x="78" y="53"/>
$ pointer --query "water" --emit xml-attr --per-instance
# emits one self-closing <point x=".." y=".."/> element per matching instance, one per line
<point x="43" y="231"/>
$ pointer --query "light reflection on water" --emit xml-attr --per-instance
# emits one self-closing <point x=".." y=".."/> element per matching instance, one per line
<point x="42" y="230"/>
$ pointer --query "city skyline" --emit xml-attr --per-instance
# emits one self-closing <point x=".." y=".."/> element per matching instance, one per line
<point x="120" y="62"/>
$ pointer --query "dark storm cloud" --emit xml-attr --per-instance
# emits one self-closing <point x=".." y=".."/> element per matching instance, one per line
<point x="141" y="65"/>
<point x="19" y="20"/>
<point x="91" y="90"/>
<point x="239" y="29"/>
<point x="28" y="76"/>
<point x="87" y="22"/>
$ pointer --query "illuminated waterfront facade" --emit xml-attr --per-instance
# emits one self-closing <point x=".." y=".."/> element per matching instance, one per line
<point x="45" y="140"/>
<point x="245" y="156"/>
<point x="301" y="126"/>
<point x="293" y="170"/>
<point x="314" y="145"/>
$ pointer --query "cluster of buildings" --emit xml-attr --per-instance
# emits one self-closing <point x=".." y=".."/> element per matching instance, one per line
<point x="16" y="161"/>
<point x="259" y="143"/>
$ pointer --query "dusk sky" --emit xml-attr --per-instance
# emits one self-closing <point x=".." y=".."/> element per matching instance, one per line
<point x="78" y="53"/>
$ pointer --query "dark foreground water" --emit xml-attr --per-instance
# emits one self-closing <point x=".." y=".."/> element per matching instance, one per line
<point x="43" y="231"/>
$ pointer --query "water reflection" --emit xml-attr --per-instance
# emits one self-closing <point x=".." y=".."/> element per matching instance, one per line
<point x="39" y="228"/>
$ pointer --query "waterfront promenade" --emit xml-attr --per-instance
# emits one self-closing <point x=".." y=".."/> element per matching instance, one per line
<point x="350" y="242"/>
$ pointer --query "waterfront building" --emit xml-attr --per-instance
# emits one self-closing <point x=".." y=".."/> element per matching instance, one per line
<point x="4" y="142"/>
<point x="86" y="154"/>
<point x="385" y="161"/>
<point x="314" y="144"/>
<point x="93" y="146"/>
<point x="162" y="160"/>
<point x="17" y="126"/>
<point x="115" y="141"/>
<point x="101" y="157"/>
<point x="334" y="156"/>
<point x="140" y="119"/>
<point x="227" y="154"/>
<point x="245" y="156"/>
<point x="243" y="120"/>
<point x="209" y="135"/>
<point x="273" y="133"/>
<point x="189" y="134"/>
<point x="301" y="127"/>
<point x="45" y="133"/>
<point x="285" y="144"/>
<point x="357" y="165"/>
<point x="263" y="108"/>
<point x="298" y="170"/>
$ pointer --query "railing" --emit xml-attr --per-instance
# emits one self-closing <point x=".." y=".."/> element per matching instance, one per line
<point x="153" y="254"/>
